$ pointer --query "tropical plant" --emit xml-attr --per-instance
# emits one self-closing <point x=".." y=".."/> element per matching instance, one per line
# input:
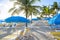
<point x="45" y="10"/>
<point x="55" y="5"/>
<point x="26" y="6"/>
<point x="54" y="8"/>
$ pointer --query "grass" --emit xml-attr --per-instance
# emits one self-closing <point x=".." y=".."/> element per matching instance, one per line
<point x="56" y="35"/>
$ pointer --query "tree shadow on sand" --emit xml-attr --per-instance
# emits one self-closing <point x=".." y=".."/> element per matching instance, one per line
<point x="8" y="32"/>
<point x="44" y="35"/>
<point x="29" y="37"/>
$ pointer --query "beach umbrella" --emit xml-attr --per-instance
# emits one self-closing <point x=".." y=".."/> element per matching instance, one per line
<point x="51" y="21"/>
<point x="16" y="19"/>
<point x="55" y="20"/>
<point x="1" y="21"/>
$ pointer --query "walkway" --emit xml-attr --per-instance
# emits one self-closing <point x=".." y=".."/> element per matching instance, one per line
<point x="40" y="31"/>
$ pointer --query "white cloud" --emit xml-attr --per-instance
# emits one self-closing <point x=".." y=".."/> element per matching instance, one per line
<point x="4" y="10"/>
<point x="0" y="4"/>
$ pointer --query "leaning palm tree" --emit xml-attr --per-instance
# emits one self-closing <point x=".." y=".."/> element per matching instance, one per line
<point x="25" y="6"/>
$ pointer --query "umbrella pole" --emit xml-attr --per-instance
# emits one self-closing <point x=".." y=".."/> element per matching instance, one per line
<point x="26" y="25"/>
<point x="31" y="18"/>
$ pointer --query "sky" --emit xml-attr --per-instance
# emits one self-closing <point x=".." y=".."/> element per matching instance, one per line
<point x="46" y="2"/>
<point x="5" y="5"/>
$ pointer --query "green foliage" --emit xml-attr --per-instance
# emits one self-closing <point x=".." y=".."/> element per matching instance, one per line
<point x="55" y="5"/>
<point x="25" y="4"/>
<point x="45" y="10"/>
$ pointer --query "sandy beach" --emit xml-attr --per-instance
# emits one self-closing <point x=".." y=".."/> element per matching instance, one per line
<point x="39" y="31"/>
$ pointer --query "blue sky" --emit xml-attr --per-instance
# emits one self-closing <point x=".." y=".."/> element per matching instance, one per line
<point x="47" y="2"/>
<point x="3" y="1"/>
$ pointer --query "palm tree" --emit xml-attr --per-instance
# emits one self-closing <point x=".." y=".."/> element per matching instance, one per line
<point x="54" y="8"/>
<point x="26" y="6"/>
<point x="45" y="10"/>
<point x="55" y="5"/>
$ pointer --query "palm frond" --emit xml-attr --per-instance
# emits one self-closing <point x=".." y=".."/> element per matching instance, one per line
<point x="11" y="0"/>
<point x="29" y="13"/>
<point x="37" y="7"/>
<point x="22" y="1"/>
<point x="14" y="12"/>
<point x="35" y="12"/>
<point x="11" y="9"/>
<point x="17" y="11"/>
<point x="17" y="3"/>
<point x="33" y="1"/>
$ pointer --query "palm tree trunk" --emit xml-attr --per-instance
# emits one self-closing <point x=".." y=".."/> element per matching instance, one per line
<point x="26" y="29"/>
<point x="26" y="13"/>
<point x="26" y="18"/>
